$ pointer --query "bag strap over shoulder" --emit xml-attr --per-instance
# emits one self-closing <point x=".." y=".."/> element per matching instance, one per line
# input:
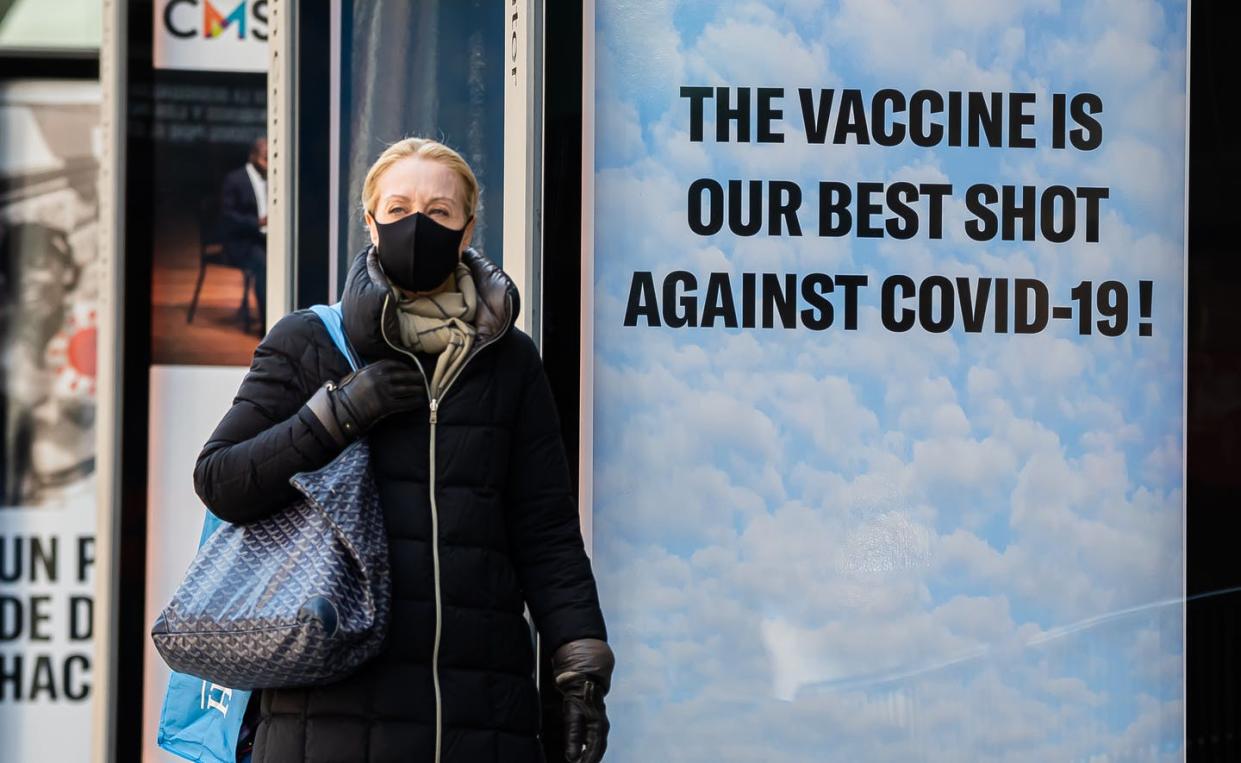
<point x="334" y="322"/>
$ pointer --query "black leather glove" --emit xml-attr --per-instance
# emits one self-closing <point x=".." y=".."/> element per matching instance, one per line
<point x="583" y="671"/>
<point x="349" y="409"/>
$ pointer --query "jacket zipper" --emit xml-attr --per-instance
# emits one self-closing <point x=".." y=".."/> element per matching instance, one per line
<point x="435" y="532"/>
<point x="435" y="561"/>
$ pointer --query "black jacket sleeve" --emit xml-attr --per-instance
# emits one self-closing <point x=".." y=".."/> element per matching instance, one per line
<point x="243" y="471"/>
<point x="545" y="539"/>
<point x="239" y="211"/>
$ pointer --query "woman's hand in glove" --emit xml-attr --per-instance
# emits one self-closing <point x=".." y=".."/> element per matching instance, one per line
<point x="583" y="671"/>
<point x="351" y="407"/>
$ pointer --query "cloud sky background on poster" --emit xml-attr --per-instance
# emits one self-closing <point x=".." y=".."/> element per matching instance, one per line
<point x="866" y="545"/>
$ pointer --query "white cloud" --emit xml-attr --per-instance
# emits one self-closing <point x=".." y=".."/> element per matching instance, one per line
<point x="1042" y="362"/>
<point x="642" y="43"/>
<point x="623" y="138"/>
<point x="736" y="51"/>
<point x="985" y="619"/>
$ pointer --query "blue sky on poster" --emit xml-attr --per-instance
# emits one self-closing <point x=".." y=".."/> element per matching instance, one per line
<point x="867" y="545"/>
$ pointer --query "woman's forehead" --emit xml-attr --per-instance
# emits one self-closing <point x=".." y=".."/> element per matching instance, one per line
<point x="414" y="177"/>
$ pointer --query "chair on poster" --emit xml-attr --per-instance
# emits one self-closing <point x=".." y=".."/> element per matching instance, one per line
<point x="211" y="252"/>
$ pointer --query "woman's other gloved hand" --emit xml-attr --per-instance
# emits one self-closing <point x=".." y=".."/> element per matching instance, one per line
<point x="349" y="409"/>
<point x="583" y="671"/>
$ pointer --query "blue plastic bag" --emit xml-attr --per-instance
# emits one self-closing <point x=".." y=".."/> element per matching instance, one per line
<point x="201" y="721"/>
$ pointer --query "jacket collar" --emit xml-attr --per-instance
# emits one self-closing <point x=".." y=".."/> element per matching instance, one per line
<point x="368" y="291"/>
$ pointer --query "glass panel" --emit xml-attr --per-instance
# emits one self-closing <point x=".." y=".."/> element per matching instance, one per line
<point x="430" y="69"/>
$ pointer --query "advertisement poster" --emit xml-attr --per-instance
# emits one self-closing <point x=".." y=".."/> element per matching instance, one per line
<point x="888" y="368"/>
<point x="206" y="131"/>
<point x="202" y="35"/>
<point x="49" y="290"/>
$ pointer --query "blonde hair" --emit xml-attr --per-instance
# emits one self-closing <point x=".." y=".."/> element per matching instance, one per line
<point x="426" y="149"/>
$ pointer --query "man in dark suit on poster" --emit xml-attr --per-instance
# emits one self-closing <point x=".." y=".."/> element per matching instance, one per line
<point x="243" y="219"/>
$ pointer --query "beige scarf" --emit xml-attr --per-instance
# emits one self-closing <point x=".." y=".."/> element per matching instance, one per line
<point x="441" y="324"/>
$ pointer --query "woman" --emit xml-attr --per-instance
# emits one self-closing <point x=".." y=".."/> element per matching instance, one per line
<point x="472" y="476"/>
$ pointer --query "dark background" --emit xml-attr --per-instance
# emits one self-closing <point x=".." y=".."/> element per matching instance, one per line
<point x="1213" y="648"/>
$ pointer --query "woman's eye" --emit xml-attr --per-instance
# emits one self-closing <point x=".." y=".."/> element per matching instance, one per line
<point x="439" y="212"/>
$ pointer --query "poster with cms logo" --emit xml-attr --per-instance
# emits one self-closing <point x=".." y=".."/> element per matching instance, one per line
<point x="201" y="35"/>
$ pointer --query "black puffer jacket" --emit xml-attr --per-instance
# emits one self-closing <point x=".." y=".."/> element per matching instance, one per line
<point x="490" y="472"/>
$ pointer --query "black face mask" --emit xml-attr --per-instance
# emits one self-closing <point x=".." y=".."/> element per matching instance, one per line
<point x="417" y="253"/>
